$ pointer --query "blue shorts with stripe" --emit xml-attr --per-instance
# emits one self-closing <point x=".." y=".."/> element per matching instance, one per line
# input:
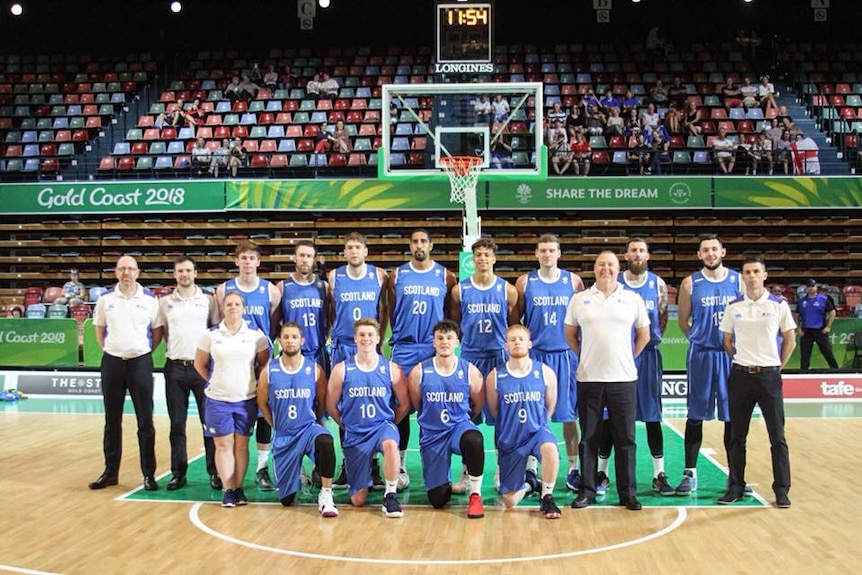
<point x="565" y="365"/>
<point x="437" y="454"/>
<point x="287" y="453"/>
<point x="649" y="366"/>
<point x="486" y="364"/>
<point x="513" y="464"/>
<point x="707" y="371"/>
<point x="357" y="457"/>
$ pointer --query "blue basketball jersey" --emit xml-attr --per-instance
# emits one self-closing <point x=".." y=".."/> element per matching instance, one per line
<point x="305" y="304"/>
<point x="366" y="398"/>
<point x="522" y="409"/>
<point x="257" y="304"/>
<point x="354" y="299"/>
<point x="419" y="300"/>
<point x="445" y="400"/>
<point x="292" y="396"/>
<point x="484" y="318"/>
<point x="545" y="306"/>
<point x="709" y="299"/>
<point x="650" y="294"/>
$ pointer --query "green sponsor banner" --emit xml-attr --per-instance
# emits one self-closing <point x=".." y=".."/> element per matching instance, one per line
<point x="112" y="197"/>
<point x="342" y="195"/>
<point x="601" y="193"/>
<point x="465" y="265"/>
<point x="831" y="192"/>
<point x="674" y="347"/>
<point x="38" y="342"/>
<point x="93" y="353"/>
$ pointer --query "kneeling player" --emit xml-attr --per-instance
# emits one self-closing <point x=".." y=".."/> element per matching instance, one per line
<point x="521" y="395"/>
<point x="291" y="396"/>
<point x="447" y="393"/>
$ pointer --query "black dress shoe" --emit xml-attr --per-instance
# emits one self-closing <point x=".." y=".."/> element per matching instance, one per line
<point x="632" y="504"/>
<point x="176" y="482"/>
<point x="103" y="481"/>
<point x="215" y="483"/>
<point x="150" y="483"/>
<point x="583" y="501"/>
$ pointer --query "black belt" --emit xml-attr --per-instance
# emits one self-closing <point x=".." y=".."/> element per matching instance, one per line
<point x="183" y="362"/>
<point x="752" y="369"/>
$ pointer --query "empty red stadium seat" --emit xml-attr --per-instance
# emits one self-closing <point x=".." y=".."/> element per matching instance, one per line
<point x="259" y="161"/>
<point x="106" y="163"/>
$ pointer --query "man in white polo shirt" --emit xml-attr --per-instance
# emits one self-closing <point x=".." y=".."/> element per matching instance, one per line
<point x="750" y="327"/>
<point x="185" y="315"/>
<point x="127" y="329"/>
<point x="599" y="324"/>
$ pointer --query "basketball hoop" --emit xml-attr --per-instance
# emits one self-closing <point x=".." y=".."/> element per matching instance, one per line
<point x="463" y="172"/>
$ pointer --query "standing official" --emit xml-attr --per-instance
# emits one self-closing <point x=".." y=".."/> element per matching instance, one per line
<point x="127" y="329"/>
<point x="185" y="315"/>
<point x="751" y="328"/>
<point x="815" y="314"/>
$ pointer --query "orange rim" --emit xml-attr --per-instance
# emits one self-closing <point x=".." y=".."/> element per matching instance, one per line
<point x="461" y="165"/>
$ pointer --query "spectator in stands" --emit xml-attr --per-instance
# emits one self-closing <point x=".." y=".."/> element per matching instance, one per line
<point x="805" y="155"/>
<point x="15" y="311"/>
<point x="247" y="89"/>
<point x="201" y="158"/>
<point x="288" y="78"/>
<point x="500" y="108"/>
<point x="783" y="151"/>
<point x="748" y="91"/>
<point x="658" y="94"/>
<point x="639" y="151"/>
<point x="195" y="115"/>
<point x="724" y="149"/>
<point x="323" y="140"/>
<point x="270" y="79"/>
<point x="628" y="103"/>
<point x="341" y="139"/>
<point x="328" y="86"/>
<point x="574" y="122"/>
<point x="730" y="94"/>
<point x="596" y="122"/>
<point x="692" y="119"/>
<point x="778" y="292"/>
<point x="179" y="115"/>
<point x="581" y="153"/>
<point x="616" y="125"/>
<point x="255" y="74"/>
<point x="556" y="113"/>
<point x="633" y="122"/>
<point x="232" y="90"/>
<point x="775" y="131"/>
<point x="312" y="89"/>
<point x="482" y="110"/>
<point x="220" y="158"/>
<point x="658" y="139"/>
<point x="589" y="99"/>
<point x="238" y="155"/>
<point x="74" y="292"/>
<point x="650" y="118"/>
<point x="608" y="101"/>
<point x="677" y="93"/>
<point x="784" y="119"/>
<point x="501" y="153"/>
<point x="558" y="147"/>
<point x="766" y="94"/>
<point x="394" y="114"/>
<point x="760" y="154"/>
<point x="672" y="119"/>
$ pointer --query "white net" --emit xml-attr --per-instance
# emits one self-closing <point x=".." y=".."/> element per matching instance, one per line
<point x="463" y="172"/>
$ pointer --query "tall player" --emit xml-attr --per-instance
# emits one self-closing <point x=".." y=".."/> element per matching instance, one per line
<point x="356" y="293"/>
<point x="703" y="297"/>
<point x="291" y="394"/>
<point x="543" y="298"/>
<point x="261" y="311"/>
<point x="418" y="297"/>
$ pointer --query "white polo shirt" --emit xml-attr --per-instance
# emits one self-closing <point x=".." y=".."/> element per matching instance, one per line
<point x="232" y="377"/>
<point x="186" y="320"/>
<point x="128" y="321"/>
<point x="606" y="327"/>
<point x="756" y="326"/>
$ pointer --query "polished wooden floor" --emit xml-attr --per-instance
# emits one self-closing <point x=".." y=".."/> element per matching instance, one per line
<point x="50" y="522"/>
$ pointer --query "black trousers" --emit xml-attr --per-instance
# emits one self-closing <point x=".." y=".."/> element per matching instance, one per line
<point x="136" y="376"/>
<point x="621" y="401"/>
<point x="745" y="390"/>
<point x="181" y="378"/>
<point x="806" y="345"/>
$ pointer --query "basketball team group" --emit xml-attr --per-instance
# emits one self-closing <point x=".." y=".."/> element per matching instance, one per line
<point x="273" y="361"/>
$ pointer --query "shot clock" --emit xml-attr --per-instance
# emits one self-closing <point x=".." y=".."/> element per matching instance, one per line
<point x="464" y="33"/>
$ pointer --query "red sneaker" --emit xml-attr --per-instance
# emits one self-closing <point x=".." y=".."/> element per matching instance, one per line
<point x="475" y="508"/>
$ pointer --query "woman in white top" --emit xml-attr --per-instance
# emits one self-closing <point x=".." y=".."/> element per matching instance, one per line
<point x="766" y="94"/>
<point x="649" y="119"/>
<point x="238" y="353"/>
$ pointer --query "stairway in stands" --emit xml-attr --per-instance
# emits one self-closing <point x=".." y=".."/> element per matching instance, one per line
<point x="829" y="162"/>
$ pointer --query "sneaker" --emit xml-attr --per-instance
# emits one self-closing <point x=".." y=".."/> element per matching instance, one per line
<point x="661" y="486"/>
<point x="340" y="482"/>
<point x="532" y="482"/>
<point x="548" y="508"/>
<point x="782" y="501"/>
<point x="687" y="485"/>
<point x="403" y="479"/>
<point x="573" y="480"/>
<point x="325" y="504"/>
<point x="228" y="499"/>
<point x="391" y="507"/>
<point x="602" y="482"/>
<point x="475" y="508"/>
<point x="378" y="484"/>
<point x="462" y="484"/>
<point x="239" y="496"/>
<point x="728" y="498"/>
<point x="263" y="481"/>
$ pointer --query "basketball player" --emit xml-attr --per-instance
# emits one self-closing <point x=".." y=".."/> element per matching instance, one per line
<point x="261" y="311"/>
<point x="356" y="293"/>
<point x="522" y="394"/>
<point x="291" y="394"/>
<point x="543" y="298"/>
<point x="418" y="298"/>
<point x="703" y="297"/>
<point x="360" y="398"/>
<point x="447" y="393"/>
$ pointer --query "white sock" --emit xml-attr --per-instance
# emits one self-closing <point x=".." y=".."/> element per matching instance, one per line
<point x="692" y="471"/>
<point x="262" y="458"/>
<point x="573" y="461"/>
<point x="657" y="466"/>
<point x="604" y="462"/>
<point x="547" y="489"/>
<point x="391" y="486"/>
<point x="475" y="484"/>
<point x="532" y="463"/>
